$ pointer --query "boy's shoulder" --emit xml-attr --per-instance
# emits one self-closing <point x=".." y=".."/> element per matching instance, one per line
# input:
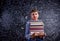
<point x="34" y="21"/>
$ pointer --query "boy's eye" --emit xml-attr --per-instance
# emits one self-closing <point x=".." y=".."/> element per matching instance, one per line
<point x="33" y="14"/>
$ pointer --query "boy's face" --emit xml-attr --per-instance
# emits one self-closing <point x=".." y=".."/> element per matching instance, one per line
<point x="34" y="15"/>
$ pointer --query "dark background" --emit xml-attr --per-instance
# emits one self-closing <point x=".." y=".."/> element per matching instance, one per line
<point x="14" y="14"/>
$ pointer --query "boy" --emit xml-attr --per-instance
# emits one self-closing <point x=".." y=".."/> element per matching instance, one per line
<point x="34" y="17"/>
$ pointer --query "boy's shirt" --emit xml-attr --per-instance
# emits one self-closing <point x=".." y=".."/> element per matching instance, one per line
<point x="27" y="30"/>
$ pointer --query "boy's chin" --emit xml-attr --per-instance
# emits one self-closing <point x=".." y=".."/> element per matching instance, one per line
<point x="34" y="19"/>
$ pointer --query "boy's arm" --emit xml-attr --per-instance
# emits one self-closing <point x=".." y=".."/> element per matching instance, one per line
<point x="44" y="31"/>
<point x="27" y="30"/>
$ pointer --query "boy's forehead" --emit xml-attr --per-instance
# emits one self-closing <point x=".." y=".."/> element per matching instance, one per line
<point x="34" y="13"/>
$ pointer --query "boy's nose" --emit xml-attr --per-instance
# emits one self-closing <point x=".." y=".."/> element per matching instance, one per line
<point x="34" y="16"/>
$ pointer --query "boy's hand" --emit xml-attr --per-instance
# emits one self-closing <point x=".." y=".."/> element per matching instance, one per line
<point x="34" y="35"/>
<point x="42" y="35"/>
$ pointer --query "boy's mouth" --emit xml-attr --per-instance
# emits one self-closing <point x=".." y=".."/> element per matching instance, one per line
<point x="34" y="18"/>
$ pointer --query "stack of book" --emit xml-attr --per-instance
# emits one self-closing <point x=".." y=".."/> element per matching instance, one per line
<point x="37" y="27"/>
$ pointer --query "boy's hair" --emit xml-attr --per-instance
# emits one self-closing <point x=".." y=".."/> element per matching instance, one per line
<point x="33" y="10"/>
